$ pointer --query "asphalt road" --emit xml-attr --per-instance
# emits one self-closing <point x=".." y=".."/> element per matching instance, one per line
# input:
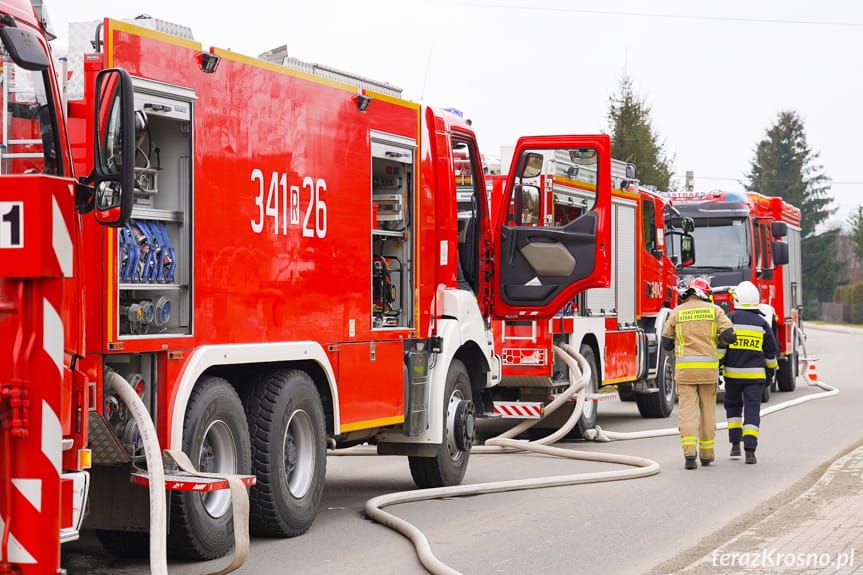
<point x="649" y="525"/>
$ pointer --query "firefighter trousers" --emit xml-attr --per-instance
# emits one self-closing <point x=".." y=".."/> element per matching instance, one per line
<point x="743" y="410"/>
<point x="697" y="418"/>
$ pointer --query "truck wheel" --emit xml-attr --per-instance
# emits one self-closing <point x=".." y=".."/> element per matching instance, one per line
<point x="589" y="414"/>
<point x="216" y="438"/>
<point x="786" y="378"/>
<point x="765" y="394"/>
<point x="661" y="403"/>
<point x="289" y="458"/>
<point x="450" y="464"/>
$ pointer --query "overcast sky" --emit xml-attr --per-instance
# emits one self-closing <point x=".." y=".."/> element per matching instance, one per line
<point x="715" y="74"/>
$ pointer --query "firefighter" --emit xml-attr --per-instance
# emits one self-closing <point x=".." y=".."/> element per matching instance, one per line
<point x="748" y="365"/>
<point x="694" y="329"/>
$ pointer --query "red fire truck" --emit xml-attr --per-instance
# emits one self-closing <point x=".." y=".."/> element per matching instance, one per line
<point x="617" y="327"/>
<point x="272" y="269"/>
<point x="742" y="239"/>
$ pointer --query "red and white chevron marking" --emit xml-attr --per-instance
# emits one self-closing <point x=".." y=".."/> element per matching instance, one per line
<point x="518" y="409"/>
<point x="34" y="530"/>
<point x="61" y="241"/>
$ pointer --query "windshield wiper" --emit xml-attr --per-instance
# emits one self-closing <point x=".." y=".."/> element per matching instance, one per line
<point x="715" y="268"/>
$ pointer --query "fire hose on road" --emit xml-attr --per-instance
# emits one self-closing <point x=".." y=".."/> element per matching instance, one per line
<point x="579" y="376"/>
<point x="505" y="443"/>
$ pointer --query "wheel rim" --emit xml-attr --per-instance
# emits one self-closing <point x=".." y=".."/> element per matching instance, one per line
<point x="218" y="455"/>
<point x="452" y="449"/>
<point x="299" y="453"/>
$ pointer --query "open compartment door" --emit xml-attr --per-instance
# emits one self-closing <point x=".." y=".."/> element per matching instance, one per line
<point x="547" y="253"/>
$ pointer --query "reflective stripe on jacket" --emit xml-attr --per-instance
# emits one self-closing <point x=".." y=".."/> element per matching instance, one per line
<point x="754" y="350"/>
<point x="695" y="325"/>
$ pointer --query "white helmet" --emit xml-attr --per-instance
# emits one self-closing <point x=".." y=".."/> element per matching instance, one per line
<point x="746" y="295"/>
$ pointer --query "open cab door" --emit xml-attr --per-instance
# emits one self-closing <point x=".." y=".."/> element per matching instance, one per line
<point x="553" y="225"/>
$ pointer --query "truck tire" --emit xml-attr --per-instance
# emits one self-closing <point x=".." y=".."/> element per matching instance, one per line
<point x="786" y="375"/>
<point x="289" y="458"/>
<point x="589" y="415"/>
<point x="216" y="438"/>
<point x="449" y="465"/>
<point x="765" y="393"/>
<point x="661" y="403"/>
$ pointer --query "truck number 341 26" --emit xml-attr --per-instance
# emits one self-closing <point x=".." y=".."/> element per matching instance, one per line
<point x="290" y="205"/>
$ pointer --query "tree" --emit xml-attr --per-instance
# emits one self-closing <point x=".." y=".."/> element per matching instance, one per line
<point x="633" y="139"/>
<point x="784" y="166"/>
<point x="855" y="220"/>
<point x="820" y="266"/>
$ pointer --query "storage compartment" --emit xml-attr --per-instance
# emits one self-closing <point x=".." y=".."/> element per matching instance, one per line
<point x="392" y="232"/>
<point x="154" y="247"/>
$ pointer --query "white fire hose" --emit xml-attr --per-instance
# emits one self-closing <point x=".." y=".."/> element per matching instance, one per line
<point x="153" y="453"/>
<point x="156" y="473"/>
<point x="504" y="443"/>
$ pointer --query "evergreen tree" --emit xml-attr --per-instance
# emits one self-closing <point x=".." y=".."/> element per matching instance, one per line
<point x="785" y="166"/>
<point x="820" y="266"/>
<point x="855" y="220"/>
<point x="633" y="139"/>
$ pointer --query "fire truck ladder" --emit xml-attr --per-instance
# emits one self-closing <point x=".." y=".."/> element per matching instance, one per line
<point x="6" y="144"/>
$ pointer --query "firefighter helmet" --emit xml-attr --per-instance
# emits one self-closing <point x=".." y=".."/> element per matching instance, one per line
<point x="746" y="295"/>
<point x="699" y="287"/>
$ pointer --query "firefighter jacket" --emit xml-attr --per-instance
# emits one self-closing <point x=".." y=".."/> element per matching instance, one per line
<point x="754" y="350"/>
<point x="693" y="329"/>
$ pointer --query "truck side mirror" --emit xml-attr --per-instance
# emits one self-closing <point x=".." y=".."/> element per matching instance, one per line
<point x="779" y="229"/>
<point x="532" y="165"/>
<point x="527" y="205"/>
<point x="687" y="251"/>
<point x="25" y="49"/>
<point x="780" y="251"/>
<point x="114" y="139"/>
<point x="688" y="224"/>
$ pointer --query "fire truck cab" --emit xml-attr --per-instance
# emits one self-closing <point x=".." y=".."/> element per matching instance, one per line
<point x="749" y="236"/>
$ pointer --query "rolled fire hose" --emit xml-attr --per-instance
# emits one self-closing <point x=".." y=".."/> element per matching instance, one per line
<point x="503" y="444"/>
<point x="156" y="472"/>
<point x="153" y="453"/>
<point x="599" y="434"/>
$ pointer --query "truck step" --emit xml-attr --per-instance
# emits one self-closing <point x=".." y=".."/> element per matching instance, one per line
<point x="181" y="481"/>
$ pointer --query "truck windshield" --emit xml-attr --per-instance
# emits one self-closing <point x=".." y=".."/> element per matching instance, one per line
<point x="28" y="136"/>
<point x="722" y="243"/>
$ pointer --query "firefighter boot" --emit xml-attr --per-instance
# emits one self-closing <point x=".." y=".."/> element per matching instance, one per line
<point x="690" y="463"/>
<point x="750" y="456"/>
<point x="705" y="462"/>
<point x="735" y="450"/>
